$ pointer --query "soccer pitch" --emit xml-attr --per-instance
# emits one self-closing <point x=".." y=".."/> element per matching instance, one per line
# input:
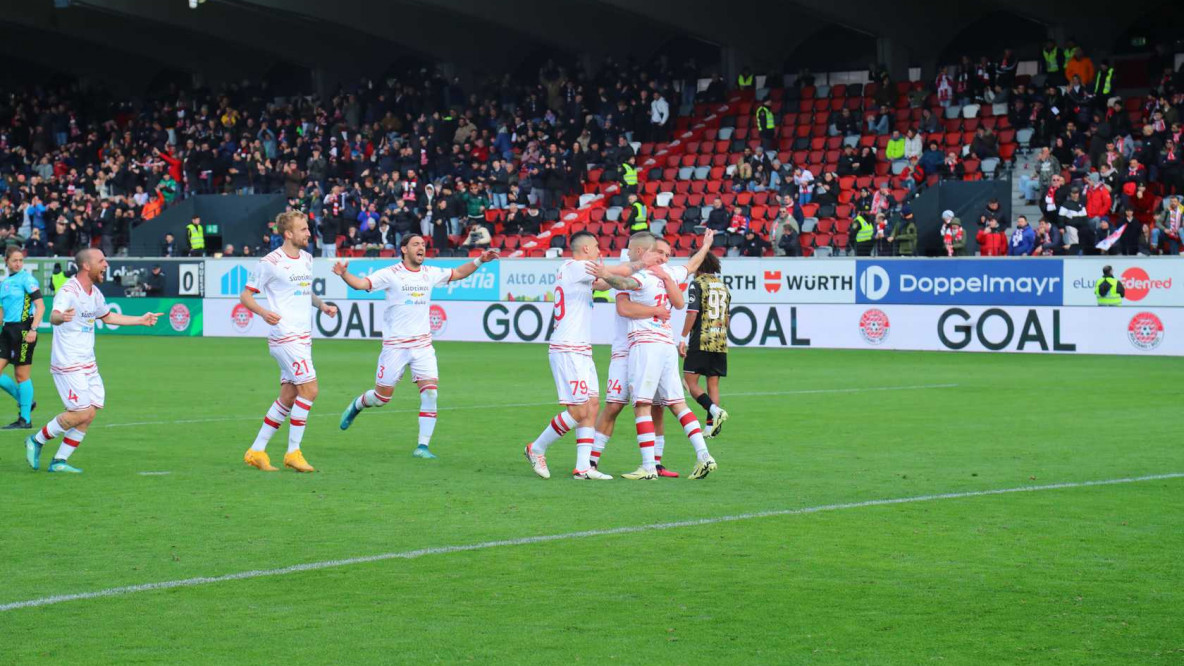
<point x="473" y="558"/>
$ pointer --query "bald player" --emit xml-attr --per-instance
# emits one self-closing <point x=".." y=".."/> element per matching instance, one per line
<point x="76" y="308"/>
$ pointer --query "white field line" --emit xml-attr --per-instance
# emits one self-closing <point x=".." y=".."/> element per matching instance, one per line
<point x="568" y="536"/>
<point x="510" y="405"/>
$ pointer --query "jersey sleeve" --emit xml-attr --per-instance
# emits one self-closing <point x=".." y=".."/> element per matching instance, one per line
<point x="694" y="295"/>
<point x="101" y="307"/>
<point x="440" y="276"/>
<point x="259" y="277"/>
<point x="63" y="300"/>
<point x="31" y="286"/>
<point x="678" y="273"/>
<point x="381" y="279"/>
<point x="576" y="272"/>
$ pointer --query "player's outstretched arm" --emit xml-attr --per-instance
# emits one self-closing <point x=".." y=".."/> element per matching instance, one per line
<point x="341" y="269"/>
<point x="466" y="269"/>
<point x="696" y="260"/>
<point x="59" y="317"/>
<point x="118" y="319"/>
<point x="626" y="269"/>
<point x="630" y="310"/>
<point x="327" y="308"/>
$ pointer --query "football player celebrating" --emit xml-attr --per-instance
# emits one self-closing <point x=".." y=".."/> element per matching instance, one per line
<point x="571" y="356"/>
<point x="284" y="277"/>
<point x="76" y="307"/>
<point x="653" y="357"/>
<point x="407" y="330"/>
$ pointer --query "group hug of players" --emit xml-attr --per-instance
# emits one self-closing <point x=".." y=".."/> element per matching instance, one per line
<point x="643" y="372"/>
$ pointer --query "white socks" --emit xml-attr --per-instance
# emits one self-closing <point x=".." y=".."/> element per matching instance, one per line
<point x="296" y="423"/>
<point x="427" y="413"/>
<point x="556" y="429"/>
<point x="271" y="423"/>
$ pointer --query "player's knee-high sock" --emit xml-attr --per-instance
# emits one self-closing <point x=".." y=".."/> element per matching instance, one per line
<point x="585" y="436"/>
<point x="645" y="440"/>
<point x="427" y="414"/>
<point x="271" y="422"/>
<point x="296" y="423"/>
<point x="370" y="398"/>
<point x="659" y="446"/>
<point x="710" y="407"/>
<point x="557" y="428"/>
<point x="25" y="399"/>
<point x="8" y="384"/>
<point x="50" y="431"/>
<point x="690" y="425"/>
<point x="70" y="442"/>
<point x="599" y="441"/>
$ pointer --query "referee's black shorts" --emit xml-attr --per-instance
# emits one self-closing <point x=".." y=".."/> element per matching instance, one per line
<point x="708" y="364"/>
<point x="13" y="347"/>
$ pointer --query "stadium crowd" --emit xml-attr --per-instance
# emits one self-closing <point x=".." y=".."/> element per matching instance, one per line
<point x="472" y="167"/>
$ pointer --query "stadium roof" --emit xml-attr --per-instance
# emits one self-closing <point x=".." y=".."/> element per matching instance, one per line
<point x="230" y="39"/>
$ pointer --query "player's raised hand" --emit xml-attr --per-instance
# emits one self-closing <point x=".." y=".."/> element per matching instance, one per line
<point x="340" y="268"/>
<point x="329" y="309"/>
<point x="596" y="269"/>
<point x="708" y="237"/>
<point x="149" y="318"/>
<point x="489" y="255"/>
<point x="660" y="272"/>
<point x="68" y="315"/>
<point x="272" y="318"/>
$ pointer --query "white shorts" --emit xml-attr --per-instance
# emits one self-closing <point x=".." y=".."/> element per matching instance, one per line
<point x="393" y="361"/>
<point x="617" y="389"/>
<point x="295" y="359"/>
<point x="654" y="377"/>
<point x="80" y="390"/>
<point x="575" y="376"/>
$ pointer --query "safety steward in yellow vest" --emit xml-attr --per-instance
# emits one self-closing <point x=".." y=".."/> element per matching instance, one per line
<point x="196" y="234"/>
<point x="638" y="218"/>
<point x="629" y="175"/>
<point x="766" y="125"/>
<point x="1109" y="290"/>
<point x="1104" y="82"/>
<point x="864" y="236"/>
<point x="746" y="80"/>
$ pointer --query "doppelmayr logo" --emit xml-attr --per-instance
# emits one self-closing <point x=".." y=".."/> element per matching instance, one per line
<point x="961" y="282"/>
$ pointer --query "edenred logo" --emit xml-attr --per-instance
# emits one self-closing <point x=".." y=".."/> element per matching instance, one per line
<point x="241" y="317"/>
<point x="438" y="319"/>
<point x="179" y="317"/>
<point x="1145" y="331"/>
<point x="1138" y="284"/>
<point x="874" y="326"/>
<point x="772" y="281"/>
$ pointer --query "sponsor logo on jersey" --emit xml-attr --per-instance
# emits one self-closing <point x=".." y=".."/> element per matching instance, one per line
<point x="1145" y="330"/>
<point x="874" y="326"/>
<point x="241" y="317"/>
<point x="179" y="317"/>
<point x="772" y="281"/>
<point x="438" y="319"/>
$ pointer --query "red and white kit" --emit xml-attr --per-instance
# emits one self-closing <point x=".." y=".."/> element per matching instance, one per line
<point x="617" y="389"/>
<point x="570" y="353"/>
<point x="407" y="326"/>
<point x="653" y="358"/>
<point x="72" y="360"/>
<point x="286" y="283"/>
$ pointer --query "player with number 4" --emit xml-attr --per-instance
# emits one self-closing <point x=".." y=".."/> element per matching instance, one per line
<point x="76" y="308"/>
<point x="571" y="355"/>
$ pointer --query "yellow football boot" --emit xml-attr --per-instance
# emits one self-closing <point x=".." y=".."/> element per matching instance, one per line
<point x="258" y="460"/>
<point x="295" y="460"/>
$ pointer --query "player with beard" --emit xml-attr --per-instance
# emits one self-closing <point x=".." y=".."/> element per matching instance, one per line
<point x="407" y="330"/>
<point x="284" y="277"/>
<point x="76" y="307"/>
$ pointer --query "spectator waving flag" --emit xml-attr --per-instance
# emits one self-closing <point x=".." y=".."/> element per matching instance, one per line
<point x="1106" y="243"/>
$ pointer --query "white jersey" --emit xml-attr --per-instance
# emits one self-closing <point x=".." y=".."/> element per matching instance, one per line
<point x="620" y="329"/>
<point x="286" y="282"/>
<point x="74" y="340"/>
<point x="653" y="292"/>
<point x="573" y="309"/>
<point x="407" y="318"/>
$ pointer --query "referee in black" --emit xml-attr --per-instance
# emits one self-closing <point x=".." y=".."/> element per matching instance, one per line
<point x="704" y="341"/>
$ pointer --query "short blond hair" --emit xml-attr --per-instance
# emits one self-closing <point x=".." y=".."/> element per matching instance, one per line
<point x="286" y="219"/>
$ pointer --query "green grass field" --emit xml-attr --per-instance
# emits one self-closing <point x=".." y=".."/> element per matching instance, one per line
<point x="1069" y="576"/>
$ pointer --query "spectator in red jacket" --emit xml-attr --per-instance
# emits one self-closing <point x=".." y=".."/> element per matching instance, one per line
<point x="1097" y="199"/>
<point x="992" y="242"/>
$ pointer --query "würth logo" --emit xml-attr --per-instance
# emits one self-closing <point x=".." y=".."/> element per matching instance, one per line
<point x="772" y="281"/>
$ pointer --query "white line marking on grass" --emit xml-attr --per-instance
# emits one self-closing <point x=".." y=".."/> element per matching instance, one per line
<point x="510" y="405"/>
<point x="525" y="541"/>
<point x="153" y="473"/>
